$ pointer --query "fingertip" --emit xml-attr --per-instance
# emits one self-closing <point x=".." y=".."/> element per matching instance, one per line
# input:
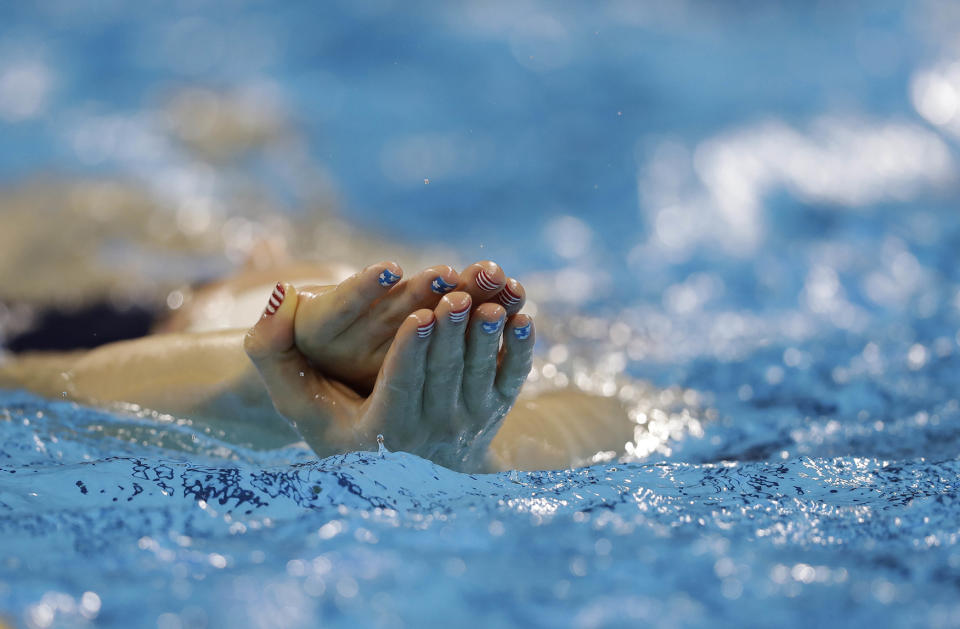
<point x="273" y="331"/>
<point x="425" y="322"/>
<point x="490" y="277"/>
<point x="489" y="266"/>
<point x="512" y="295"/>
<point x="422" y="316"/>
<point x="276" y="299"/>
<point x="521" y="319"/>
<point x="457" y="301"/>
<point x="393" y="267"/>
<point x="521" y="327"/>
<point x="490" y="318"/>
<point x="491" y="312"/>
<point x="388" y="273"/>
<point x="517" y="356"/>
<point x="445" y="279"/>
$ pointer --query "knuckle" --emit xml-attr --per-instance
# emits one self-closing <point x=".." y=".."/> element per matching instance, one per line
<point x="251" y="345"/>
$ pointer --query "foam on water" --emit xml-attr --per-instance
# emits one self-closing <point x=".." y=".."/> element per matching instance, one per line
<point x="185" y="538"/>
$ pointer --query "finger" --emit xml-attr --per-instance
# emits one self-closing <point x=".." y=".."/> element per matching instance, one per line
<point x="269" y="344"/>
<point x="516" y="357"/>
<point x="423" y="290"/>
<point x="397" y="398"/>
<point x="445" y="357"/>
<point x="512" y="297"/>
<point x="273" y="332"/>
<point x="482" y="280"/>
<point x="342" y="305"/>
<point x="480" y="357"/>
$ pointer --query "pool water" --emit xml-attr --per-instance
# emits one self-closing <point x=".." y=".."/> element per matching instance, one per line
<point x="111" y="532"/>
<point x="740" y="221"/>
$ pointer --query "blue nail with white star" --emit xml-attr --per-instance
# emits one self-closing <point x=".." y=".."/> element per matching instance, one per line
<point x="522" y="332"/>
<point x="492" y="327"/>
<point x="387" y="278"/>
<point x="440" y="287"/>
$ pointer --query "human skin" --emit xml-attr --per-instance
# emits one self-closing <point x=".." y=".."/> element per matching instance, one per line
<point x="443" y="388"/>
<point x="206" y="376"/>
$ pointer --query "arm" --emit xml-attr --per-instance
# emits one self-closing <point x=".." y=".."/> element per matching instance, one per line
<point x="208" y="376"/>
<point x="180" y="374"/>
<point x="204" y="376"/>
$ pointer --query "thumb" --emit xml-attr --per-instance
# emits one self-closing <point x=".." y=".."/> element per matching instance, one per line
<point x="273" y="332"/>
<point x="269" y="344"/>
<point x="320" y="410"/>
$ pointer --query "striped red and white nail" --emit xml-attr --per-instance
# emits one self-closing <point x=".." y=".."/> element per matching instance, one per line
<point x="458" y="316"/>
<point x="276" y="298"/>
<point x="424" y="330"/>
<point x="485" y="282"/>
<point x="508" y="297"/>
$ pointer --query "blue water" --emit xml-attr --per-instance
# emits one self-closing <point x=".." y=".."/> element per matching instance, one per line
<point x="740" y="220"/>
<point x="223" y="537"/>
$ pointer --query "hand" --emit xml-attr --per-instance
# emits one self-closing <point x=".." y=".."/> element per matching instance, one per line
<point x="441" y="392"/>
<point x="345" y="330"/>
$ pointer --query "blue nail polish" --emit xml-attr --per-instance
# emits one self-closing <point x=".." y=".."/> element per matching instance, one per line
<point x="522" y="333"/>
<point x="387" y="278"/>
<point x="440" y="287"/>
<point x="491" y="327"/>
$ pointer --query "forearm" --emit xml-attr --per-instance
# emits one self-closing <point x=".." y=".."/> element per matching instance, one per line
<point x="181" y="374"/>
<point x="199" y="376"/>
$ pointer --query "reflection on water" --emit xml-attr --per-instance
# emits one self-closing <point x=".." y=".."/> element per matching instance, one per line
<point x="735" y="222"/>
<point x="260" y="542"/>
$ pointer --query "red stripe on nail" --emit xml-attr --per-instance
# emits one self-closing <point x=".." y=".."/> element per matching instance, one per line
<point x="508" y="297"/>
<point x="485" y="282"/>
<point x="276" y="298"/>
<point x="456" y="316"/>
<point x="423" y="331"/>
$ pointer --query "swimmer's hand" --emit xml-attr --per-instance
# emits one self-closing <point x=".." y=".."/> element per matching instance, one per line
<point x="441" y="393"/>
<point x="346" y="330"/>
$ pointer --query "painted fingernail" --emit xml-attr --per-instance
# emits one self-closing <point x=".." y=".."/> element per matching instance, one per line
<point x="441" y="287"/>
<point x="508" y="297"/>
<point x="387" y="278"/>
<point x="423" y="331"/>
<point x="485" y="282"/>
<point x="458" y="316"/>
<point x="276" y="298"/>
<point x="522" y="332"/>
<point x="492" y="327"/>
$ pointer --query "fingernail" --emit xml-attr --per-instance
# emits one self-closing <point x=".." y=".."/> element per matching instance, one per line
<point x="457" y="316"/>
<point x="441" y="287"/>
<point x="522" y="332"/>
<point x="492" y="327"/>
<point x="508" y="297"/>
<point x="423" y="331"/>
<point x="276" y="298"/>
<point x="485" y="282"/>
<point x="387" y="278"/>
